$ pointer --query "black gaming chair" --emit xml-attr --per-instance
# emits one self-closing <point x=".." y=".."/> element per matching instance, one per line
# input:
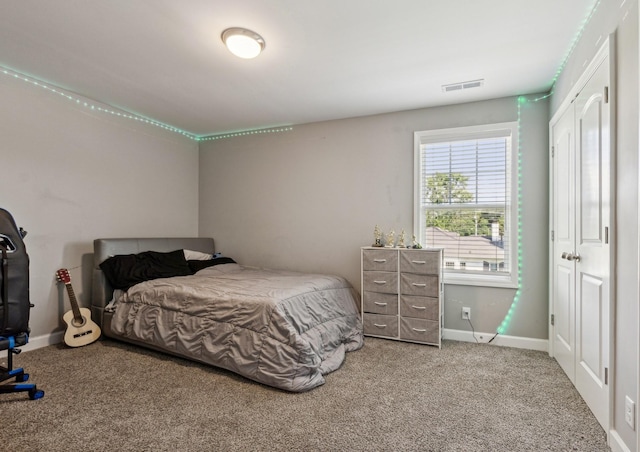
<point x="14" y="305"/>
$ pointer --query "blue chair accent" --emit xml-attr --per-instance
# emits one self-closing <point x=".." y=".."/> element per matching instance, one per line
<point x="18" y="375"/>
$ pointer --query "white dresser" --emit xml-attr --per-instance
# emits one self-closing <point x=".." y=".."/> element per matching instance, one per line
<point x="402" y="294"/>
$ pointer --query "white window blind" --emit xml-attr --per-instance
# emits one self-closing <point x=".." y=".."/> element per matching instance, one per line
<point x="465" y="200"/>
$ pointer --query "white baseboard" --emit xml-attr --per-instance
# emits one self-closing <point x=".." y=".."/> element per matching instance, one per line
<point x="504" y="341"/>
<point x="616" y="443"/>
<point x="454" y="335"/>
<point x="43" y="341"/>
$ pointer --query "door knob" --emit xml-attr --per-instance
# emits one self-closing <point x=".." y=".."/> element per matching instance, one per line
<point x="573" y="257"/>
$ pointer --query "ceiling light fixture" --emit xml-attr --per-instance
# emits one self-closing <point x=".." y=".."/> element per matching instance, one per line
<point x="243" y="43"/>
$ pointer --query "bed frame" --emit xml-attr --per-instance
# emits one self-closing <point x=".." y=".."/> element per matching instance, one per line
<point x="102" y="292"/>
<point x="280" y="356"/>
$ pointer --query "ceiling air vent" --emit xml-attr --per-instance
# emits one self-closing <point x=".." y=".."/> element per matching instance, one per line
<point x="463" y="85"/>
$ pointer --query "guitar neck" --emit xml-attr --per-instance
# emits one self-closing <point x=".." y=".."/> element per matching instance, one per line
<point x="74" y="303"/>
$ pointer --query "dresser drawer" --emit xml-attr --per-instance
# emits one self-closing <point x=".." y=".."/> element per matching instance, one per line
<point x="380" y="303"/>
<point x="420" y="285"/>
<point x="419" y="307"/>
<point x="384" y="282"/>
<point x="380" y="325"/>
<point x="381" y="260"/>
<point x="419" y="330"/>
<point x="420" y="261"/>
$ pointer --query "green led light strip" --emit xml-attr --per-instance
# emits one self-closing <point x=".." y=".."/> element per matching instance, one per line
<point x="87" y="103"/>
<point x="243" y="133"/>
<point x="574" y="44"/>
<point x="516" y="298"/>
<point x="522" y="100"/>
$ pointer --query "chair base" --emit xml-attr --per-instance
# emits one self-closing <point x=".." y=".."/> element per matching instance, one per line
<point x="18" y="375"/>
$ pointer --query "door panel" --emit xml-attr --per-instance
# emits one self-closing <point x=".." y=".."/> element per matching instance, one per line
<point x="591" y="326"/>
<point x="564" y="180"/>
<point x="590" y="120"/>
<point x="564" y="315"/>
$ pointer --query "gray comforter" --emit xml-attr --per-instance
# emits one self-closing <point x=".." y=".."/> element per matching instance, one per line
<point x="283" y="329"/>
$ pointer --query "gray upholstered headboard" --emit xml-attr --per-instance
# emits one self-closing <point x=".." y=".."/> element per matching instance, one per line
<point x="102" y="292"/>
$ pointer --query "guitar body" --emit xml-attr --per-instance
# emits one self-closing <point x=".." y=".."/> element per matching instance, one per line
<point x="82" y="331"/>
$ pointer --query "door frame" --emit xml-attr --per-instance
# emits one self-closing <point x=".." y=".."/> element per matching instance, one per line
<point x="606" y="49"/>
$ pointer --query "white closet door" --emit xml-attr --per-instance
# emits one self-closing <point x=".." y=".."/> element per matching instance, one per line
<point x="581" y="249"/>
<point x="592" y="247"/>
<point x="564" y="193"/>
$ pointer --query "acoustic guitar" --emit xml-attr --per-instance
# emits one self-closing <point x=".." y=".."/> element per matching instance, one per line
<point x="81" y="330"/>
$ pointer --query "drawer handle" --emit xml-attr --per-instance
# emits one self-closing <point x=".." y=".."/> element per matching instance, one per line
<point x="419" y="330"/>
<point x="419" y="262"/>
<point x="379" y="326"/>
<point x="419" y="307"/>
<point x="418" y="284"/>
<point x="379" y="282"/>
<point x="380" y="261"/>
<point x="379" y="304"/>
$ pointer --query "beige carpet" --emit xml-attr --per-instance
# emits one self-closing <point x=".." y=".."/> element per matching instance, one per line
<point x="388" y="396"/>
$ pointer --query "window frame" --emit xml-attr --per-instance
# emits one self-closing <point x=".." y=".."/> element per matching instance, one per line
<point x="473" y="278"/>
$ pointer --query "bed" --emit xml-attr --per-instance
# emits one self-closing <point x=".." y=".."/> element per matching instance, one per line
<point x="280" y="328"/>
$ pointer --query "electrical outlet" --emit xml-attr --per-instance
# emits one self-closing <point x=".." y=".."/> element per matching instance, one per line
<point x="630" y="412"/>
<point x="466" y="313"/>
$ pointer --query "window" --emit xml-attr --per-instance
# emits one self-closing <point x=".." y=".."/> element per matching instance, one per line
<point x="465" y="201"/>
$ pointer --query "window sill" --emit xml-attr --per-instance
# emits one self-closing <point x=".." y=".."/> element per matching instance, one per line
<point x="466" y="279"/>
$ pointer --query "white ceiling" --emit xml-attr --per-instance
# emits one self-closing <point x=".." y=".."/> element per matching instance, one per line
<point x="329" y="59"/>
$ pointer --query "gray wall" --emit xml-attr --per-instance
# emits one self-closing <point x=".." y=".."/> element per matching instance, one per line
<point x="70" y="175"/>
<point x="308" y="199"/>
<point x="620" y="17"/>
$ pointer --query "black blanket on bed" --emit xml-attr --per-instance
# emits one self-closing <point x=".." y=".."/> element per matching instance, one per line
<point x="126" y="270"/>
